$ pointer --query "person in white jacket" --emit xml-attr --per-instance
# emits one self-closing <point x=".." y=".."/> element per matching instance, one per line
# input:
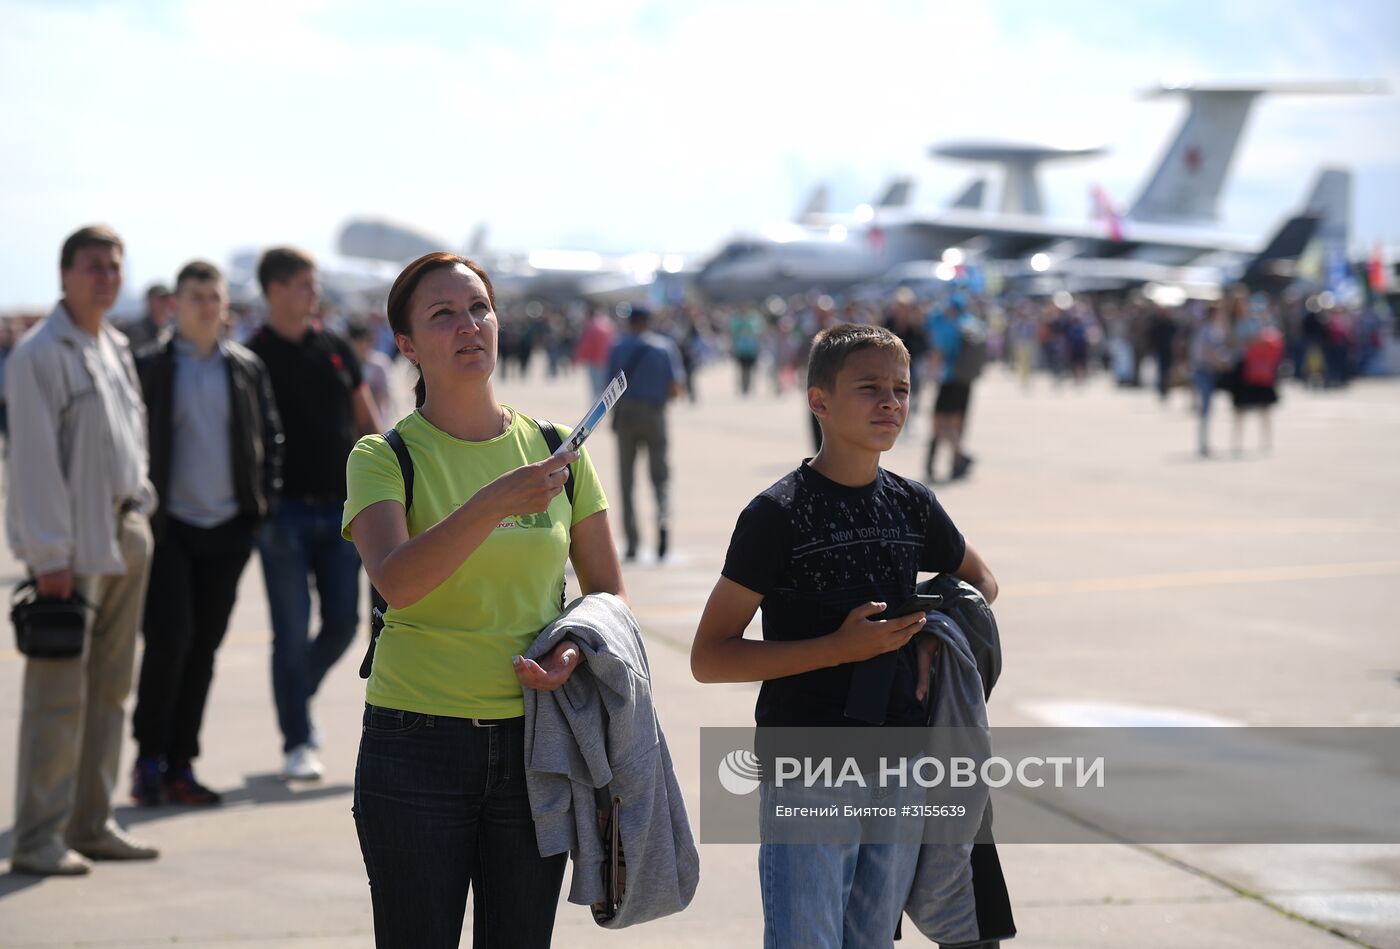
<point x="78" y="503"/>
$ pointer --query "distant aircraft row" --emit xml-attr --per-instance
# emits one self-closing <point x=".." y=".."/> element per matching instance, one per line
<point x="1170" y="235"/>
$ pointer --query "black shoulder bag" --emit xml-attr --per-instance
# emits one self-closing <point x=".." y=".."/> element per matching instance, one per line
<point x="47" y="628"/>
<point x="379" y="606"/>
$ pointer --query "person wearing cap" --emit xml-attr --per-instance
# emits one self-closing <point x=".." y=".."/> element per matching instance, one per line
<point x="655" y="376"/>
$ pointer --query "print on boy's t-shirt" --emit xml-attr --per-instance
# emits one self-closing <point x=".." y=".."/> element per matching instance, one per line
<point x="815" y="550"/>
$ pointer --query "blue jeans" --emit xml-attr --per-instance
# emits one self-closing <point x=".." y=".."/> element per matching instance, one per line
<point x="440" y="805"/>
<point x="302" y="541"/>
<point x="597" y="378"/>
<point x="846" y="895"/>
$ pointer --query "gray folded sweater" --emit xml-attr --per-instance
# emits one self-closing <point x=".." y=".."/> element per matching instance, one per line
<point x="600" y="731"/>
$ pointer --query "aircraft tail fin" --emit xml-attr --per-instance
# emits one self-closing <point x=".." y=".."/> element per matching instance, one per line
<point x="1309" y="244"/>
<point x="476" y="243"/>
<point x="971" y="197"/>
<point x="815" y="205"/>
<point x="1185" y="187"/>
<point x="1278" y="261"/>
<point x="1330" y="201"/>
<point x="1325" y="260"/>
<point x="896" y="193"/>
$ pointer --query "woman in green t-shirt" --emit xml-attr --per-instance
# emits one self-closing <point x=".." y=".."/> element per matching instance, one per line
<point x="472" y="571"/>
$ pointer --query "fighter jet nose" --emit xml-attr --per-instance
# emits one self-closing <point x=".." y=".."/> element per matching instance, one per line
<point x="714" y="284"/>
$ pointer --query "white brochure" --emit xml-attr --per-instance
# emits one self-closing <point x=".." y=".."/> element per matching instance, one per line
<point x="596" y="414"/>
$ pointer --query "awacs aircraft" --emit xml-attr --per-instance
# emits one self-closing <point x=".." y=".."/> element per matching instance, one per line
<point x="1172" y="223"/>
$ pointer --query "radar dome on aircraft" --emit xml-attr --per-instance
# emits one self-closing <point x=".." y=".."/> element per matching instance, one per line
<point x="380" y="239"/>
<point x="1020" y="193"/>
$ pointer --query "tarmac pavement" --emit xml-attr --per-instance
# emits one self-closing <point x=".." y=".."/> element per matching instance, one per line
<point x="1139" y="584"/>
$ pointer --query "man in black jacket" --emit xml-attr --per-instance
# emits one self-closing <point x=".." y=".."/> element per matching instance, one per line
<point x="216" y="449"/>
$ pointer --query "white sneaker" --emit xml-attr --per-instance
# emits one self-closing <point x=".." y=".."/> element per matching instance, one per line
<point x="316" y="738"/>
<point x="302" y="764"/>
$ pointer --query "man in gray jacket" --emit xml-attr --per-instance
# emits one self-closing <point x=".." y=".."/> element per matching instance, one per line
<point x="77" y="518"/>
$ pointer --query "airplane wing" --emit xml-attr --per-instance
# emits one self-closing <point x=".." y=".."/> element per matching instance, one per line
<point x="1273" y="266"/>
<point x="1018" y="235"/>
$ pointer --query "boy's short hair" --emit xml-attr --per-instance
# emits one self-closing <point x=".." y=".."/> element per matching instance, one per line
<point x="834" y="344"/>
<point x="280" y="264"/>
<point x="94" y="235"/>
<point x="197" y="270"/>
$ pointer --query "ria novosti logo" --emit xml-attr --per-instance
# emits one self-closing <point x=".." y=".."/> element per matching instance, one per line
<point x="740" y="772"/>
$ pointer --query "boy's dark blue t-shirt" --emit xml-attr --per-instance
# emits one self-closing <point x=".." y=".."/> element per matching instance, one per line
<point x="815" y="550"/>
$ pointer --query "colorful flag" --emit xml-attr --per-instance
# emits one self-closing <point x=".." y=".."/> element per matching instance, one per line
<point x="1379" y="273"/>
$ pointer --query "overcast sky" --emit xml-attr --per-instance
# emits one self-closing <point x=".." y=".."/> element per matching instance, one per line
<point x="199" y="129"/>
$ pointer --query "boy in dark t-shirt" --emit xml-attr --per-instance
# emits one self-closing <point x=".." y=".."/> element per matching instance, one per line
<point x="821" y="552"/>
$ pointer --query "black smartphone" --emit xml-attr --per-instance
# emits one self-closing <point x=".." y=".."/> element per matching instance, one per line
<point x="918" y="603"/>
<point x="869" y="696"/>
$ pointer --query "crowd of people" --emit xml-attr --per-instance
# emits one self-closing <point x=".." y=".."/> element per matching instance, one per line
<point x="143" y="469"/>
<point x="1241" y="345"/>
<point x="1135" y="341"/>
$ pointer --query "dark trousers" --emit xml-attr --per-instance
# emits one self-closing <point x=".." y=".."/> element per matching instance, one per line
<point x="441" y="806"/>
<point x="746" y="364"/>
<point x="642" y="425"/>
<point x="194" y="580"/>
<point x="1164" y="372"/>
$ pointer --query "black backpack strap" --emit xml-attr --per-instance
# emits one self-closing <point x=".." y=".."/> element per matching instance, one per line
<point x="378" y="605"/>
<point x="636" y="359"/>
<point x="396" y="442"/>
<point x="553" y="440"/>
